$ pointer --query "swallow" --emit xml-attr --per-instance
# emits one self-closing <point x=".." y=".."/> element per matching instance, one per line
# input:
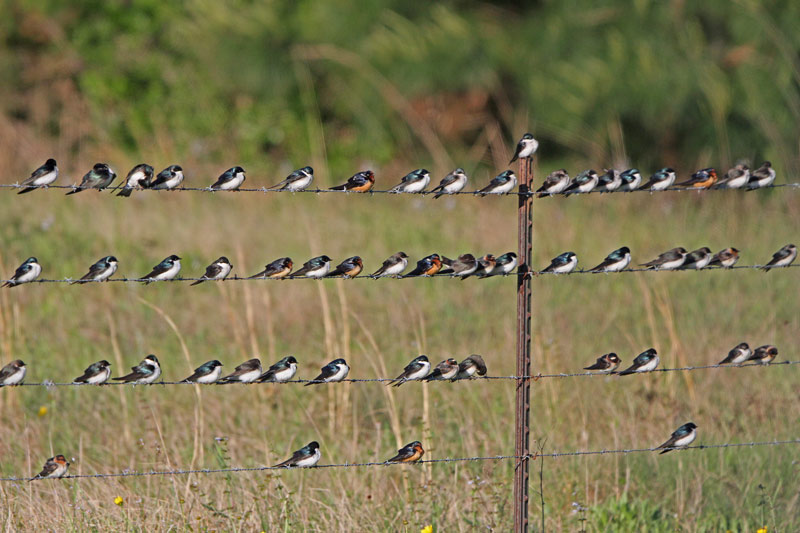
<point x="526" y="147"/>
<point x="736" y="177"/>
<point x="485" y="266"/>
<point x="660" y="180"/>
<point x="416" y="369"/>
<point x="247" y="372"/>
<point x="280" y="372"/>
<point x="98" y="178"/>
<point x="764" y="355"/>
<point x="501" y="184"/>
<point x="563" y="264"/>
<point x="166" y="269"/>
<point x="25" y="273"/>
<point x="447" y="369"/>
<point x="631" y="179"/>
<point x="41" y="177"/>
<point x="615" y="261"/>
<point x="145" y="372"/>
<point x="505" y="264"/>
<point x="304" y="457"/>
<point x="782" y="258"/>
<point x="169" y="178"/>
<point x="470" y="366"/>
<point x="360" y="182"/>
<point x="606" y="364"/>
<point x="725" y="258"/>
<point x="13" y="373"/>
<point x="451" y="184"/>
<point x="584" y="182"/>
<point x="554" y="183"/>
<point x="55" y="467"/>
<point x="609" y="182"/>
<point x="427" y="266"/>
<point x="669" y="260"/>
<point x="702" y="179"/>
<point x="336" y="370"/>
<point x="95" y="374"/>
<point x="698" y="259"/>
<point x="410" y="453"/>
<point x="138" y="178"/>
<point x="464" y="266"/>
<point x="349" y="268"/>
<point x="646" y="361"/>
<point x="393" y="266"/>
<point x="738" y="355"/>
<point x="217" y="270"/>
<point x="206" y="373"/>
<point x="100" y="271"/>
<point x="317" y="268"/>
<point x="680" y="438"/>
<point x="296" y="181"/>
<point x="278" y="269"/>
<point x="763" y="176"/>
<point x="414" y="181"/>
<point x="230" y="180"/>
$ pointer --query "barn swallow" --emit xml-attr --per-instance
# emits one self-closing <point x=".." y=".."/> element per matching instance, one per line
<point x="349" y="268"/>
<point x="247" y="372"/>
<point x="427" y="266"/>
<point x="336" y="370"/>
<point x="282" y="371"/>
<point x="563" y="264"/>
<point x="631" y="179"/>
<point x="764" y="355"/>
<point x="410" y="453"/>
<point x="55" y="467"/>
<point x="586" y="181"/>
<point x="669" y="260"/>
<point x="13" y="373"/>
<point x="465" y="265"/>
<point x="100" y="271"/>
<point x="609" y="182"/>
<point x="166" y="269"/>
<point x="230" y="180"/>
<point x="27" y="272"/>
<point x="447" y="369"/>
<point x="554" y="183"/>
<point x="317" y="268"/>
<point x="470" y="366"/>
<point x="393" y="266"/>
<point x="646" y="361"/>
<point x="615" y="261"/>
<point x="169" y="178"/>
<point x="217" y="270"/>
<point x="680" y="438"/>
<point x="606" y="364"/>
<point x="98" y="178"/>
<point x="782" y="258"/>
<point x="702" y="179"/>
<point x="505" y="264"/>
<point x="360" y="182"/>
<point x="763" y="176"/>
<point x="660" y="180"/>
<point x="41" y="177"/>
<point x="138" y="178"/>
<point x="452" y="183"/>
<point x="698" y="259"/>
<point x="208" y="372"/>
<point x="736" y="177"/>
<point x="95" y="374"/>
<point x="500" y="184"/>
<point x="414" y="181"/>
<point x="304" y="457"/>
<point x="725" y="258"/>
<point x="738" y="355"/>
<point x="416" y="369"/>
<point x="296" y="181"/>
<point x="278" y="269"/>
<point x="145" y="372"/>
<point x="526" y="147"/>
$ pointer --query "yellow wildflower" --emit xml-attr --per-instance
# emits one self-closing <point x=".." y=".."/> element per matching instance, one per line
<point x="762" y="530"/>
<point x="42" y="411"/>
<point x="427" y="529"/>
<point x="119" y="501"/>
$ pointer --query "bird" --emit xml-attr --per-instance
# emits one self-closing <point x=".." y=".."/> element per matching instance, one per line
<point x="660" y="180"/>
<point x="584" y="182"/>
<point x="169" y="178"/>
<point x="669" y="260"/>
<point x="410" y="453"/>
<point x="615" y="261"/>
<point x="207" y="373"/>
<point x="739" y="354"/>
<point x="247" y="372"/>
<point x="296" y="181"/>
<point x="427" y="266"/>
<point x="470" y="366"/>
<point x="505" y="264"/>
<point x="41" y="177"/>
<point x="447" y="369"/>
<point x="55" y="467"/>
<point x="336" y="370"/>
<point x="138" y="178"/>
<point x="13" y="373"/>
<point x="554" y="183"/>
<point x="317" y="268"/>
<point x="452" y="183"/>
<point x="414" y="181"/>
<point x="526" y="147"/>
<point x="606" y="364"/>
<point x="644" y="362"/>
<point x="698" y="259"/>
<point x="349" y="268"/>
<point x="702" y="179"/>
<point x="306" y="456"/>
<point x="100" y="271"/>
<point x="631" y="179"/>
<point x="725" y="258"/>
<point x="165" y="270"/>
<point x="359" y="182"/>
<point x="280" y="268"/>
<point x="763" y="176"/>
<point x="217" y="270"/>
<point x="680" y="438"/>
<point x="393" y="266"/>
<point x="145" y="372"/>
<point x="609" y="182"/>
<point x="782" y="258"/>
<point x="501" y="184"/>
<point x="98" y="178"/>
<point x="563" y="264"/>
<point x="416" y="369"/>
<point x="230" y="180"/>
<point x="736" y="177"/>
<point x="485" y="266"/>
<point x="95" y="374"/>
<point x="462" y="267"/>
<point x="280" y="372"/>
<point x="25" y="273"/>
<point x="764" y="355"/>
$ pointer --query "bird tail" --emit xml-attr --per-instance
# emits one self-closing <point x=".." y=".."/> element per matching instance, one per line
<point x="198" y="282"/>
<point x="339" y="188"/>
<point x="27" y="189"/>
<point x="285" y="463"/>
<point x="9" y="284"/>
<point x="74" y="191"/>
<point x="125" y="192"/>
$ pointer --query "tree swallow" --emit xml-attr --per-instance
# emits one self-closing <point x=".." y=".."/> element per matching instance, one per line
<point x="166" y="269"/>
<point x="427" y="266"/>
<point x="296" y="181"/>
<point x="505" y="264"/>
<point x="336" y="370"/>
<point x="280" y="372"/>
<point x="360" y="182"/>
<point x="13" y="373"/>
<point x="55" y="467"/>
<point x="169" y="178"/>
<point x="217" y="270"/>
<point x="138" y="178"/>
<point x="447" y="369"/>
<point x="416" y="369"/>
<point x="410" y="453"/>
<point x="393" y="266"/>
<point x="563" y="264"/>
<point x="584" y="182"/>
<point x="738" y="355"/>
<point x="95" y="374"/>
<point x="41" y="177"/>
<point x="100" y="271"/>
<point x="662" y="179"/>
<point x="98" y="178"/>
<point x="278" y="269"/>
<point x="669" y="260"/>
<point x="609" y="182"/>
<point x="631" y="179"/>
<point x="465" y="265"/>
<point x="702" y="179"/>
<point x="145" y="372"/>
<point x="247" y="372"/>
<point x="526" y="147"/>
<point x="27" y="272"/>
<point x="500" y="184"/>
<point x="304" y="457"/>
<point x="317" y="268"/>
<point x="554" y="183"/>
<point x="349" y="268"/>
<point x="680" y="438"/>
<point x="606" y="364"/>
<point x="208" y="372"/>
<point x="615" y="261"/>
<point x="736" y="178"/>
<point x="470" y="366"/>
<point x="762" y="176"/>
<point x="452" y="183"/>
<point x="764" y="355"/>
<point x="725" y="258"/>
<point x="646" y="361"/>
<point x="414" y="181"/>
<point x="230" y="180"/>
<point x="698" y="259"/>
<point x="782" y="258"/>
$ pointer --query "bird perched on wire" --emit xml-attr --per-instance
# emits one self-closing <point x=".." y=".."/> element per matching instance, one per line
<point x="698" y="259"/>
<point x="414" y="181"/>
<point x="526" y="147"/>
<point x="138" y="178"/>
<point x="41" y="177"/>
<point x="169" y="178"/>
<point x="55" y="467"/>
<point x="247" y="372"/>
<point x="144" y="373"/>
<point x="606" y="364"/>
<point x="393" y="266"/>
<point x="165" y="270"/>
<point x="98" y="178"/>
<point x="216" y="271"/>
<point x="230" y="180"/>
<point x="306" y="456"/>
<point x="647" y="361"/>
<point x="725" y="258"/>
<point x="25" y="273"/>
<point x="316" y="268"/>
<point x="680" y="438"/>
<point x="280" y="268"/>
<point x="296" y="181"/>
<point x="13" y="373"/>
<point x="736" y="177"/>
<point x="451" y="184"/>
<point x="764" y="355"/>
<point x="462" y="267"/>
<point x="629" y="180"/>
<point x="349" y="268"/>
<point x="205" y="374"/>
<point x="334" y="371"/>
<point x="554" y="183"/>
<point x="615" y="261"/>
<point x="469" y="367"/>
<point x="702" y="179"/>
<point x="501" y="184"/>
<point x="738" y="355"/>
<point x="95" y="374"/>
<point x="584" y="182"/>
<point x="410" y="453"/>
<point x="447" y="369"/>
<point x="280" y="372"/>
<point x="669" y="260"/>
<point x="660" y="180"/>
<point x="609" y="181"/>
<point x="782" y="258"/>
<point x="416" y="369"/>
<point x="763" y="176"/>
<point x="563" y="264"/>
<point x="427" y="266"/>
<point x="505" y="264"/>
<point x="359" y="182"/>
